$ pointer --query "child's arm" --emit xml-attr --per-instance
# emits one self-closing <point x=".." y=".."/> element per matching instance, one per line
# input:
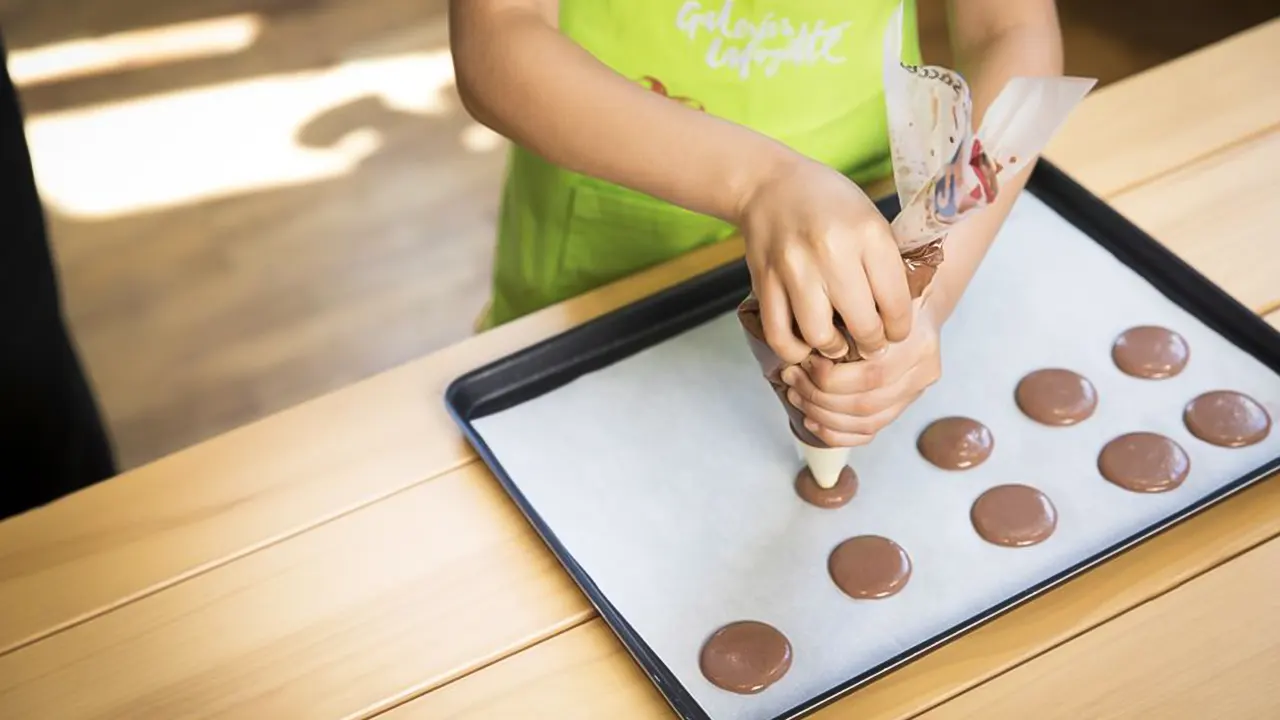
<point x="847" y="404"/>
<point x="815" y="243"/>
<point x="520" y="76"/>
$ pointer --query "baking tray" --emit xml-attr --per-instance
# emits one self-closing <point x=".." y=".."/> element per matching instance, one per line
<point x="551" y="364"/>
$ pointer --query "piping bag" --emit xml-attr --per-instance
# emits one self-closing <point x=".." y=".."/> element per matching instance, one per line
<point x="944" y="172"/>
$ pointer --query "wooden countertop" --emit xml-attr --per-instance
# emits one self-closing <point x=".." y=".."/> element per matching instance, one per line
<point x="351" y="557"/>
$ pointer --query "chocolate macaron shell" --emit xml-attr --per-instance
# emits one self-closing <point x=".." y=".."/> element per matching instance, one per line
<point x="869" y="567"/>
<point x="956" y="443"/>
<point x="1150" y="352"/>
<point x="1056" y="396"/>
<point x="1144" y="462"/>
<point x="1014" y="516"/>
<point x="745" y="657"/>
<point x="1227" y="419"/>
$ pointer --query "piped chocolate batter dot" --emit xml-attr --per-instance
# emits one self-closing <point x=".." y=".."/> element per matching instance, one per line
<point x="838" y="495"/>
<point x="1144" y="462"/>
<point x="745" y="657"/>
<point x="869" y="567"/>
<point x="956" y="443"/>
<point x="1150" y="352"/>
<point x="1055" y="396"/>
<point x="1227" y="418"/>
<point x="1014" y="516"/>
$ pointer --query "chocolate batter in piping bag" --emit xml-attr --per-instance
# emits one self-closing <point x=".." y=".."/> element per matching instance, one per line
<point x="944" y="172"/>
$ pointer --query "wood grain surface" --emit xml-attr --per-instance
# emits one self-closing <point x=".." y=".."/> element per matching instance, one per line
<point x="1214" y="98"/>
<point x="586" y="673"/>
<point x="1208" y="649"/>
<point x="1219" y="215"/>
<point x="354" y="615"/>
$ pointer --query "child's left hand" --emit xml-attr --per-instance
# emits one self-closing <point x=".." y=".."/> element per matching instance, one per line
<point x="846" y="404"/>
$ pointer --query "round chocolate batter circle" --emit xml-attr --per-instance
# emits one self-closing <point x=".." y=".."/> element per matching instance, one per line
<point x="1014" y="516"/>
<point x="1227" y="418"/>
<point x="838" y="495"/>
<point x="1055" y="396"/>
<point x="869" y="567"/>
<point x="1150" y="352"/>
<point x="956" y="443"/>
<point x="1144" y="462"/>
<point x="745" y="657"/>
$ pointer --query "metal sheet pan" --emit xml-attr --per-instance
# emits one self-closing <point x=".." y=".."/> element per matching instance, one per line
<point x="653" y="459"/>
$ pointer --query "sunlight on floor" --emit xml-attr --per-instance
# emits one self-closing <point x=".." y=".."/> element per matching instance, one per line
<point x="134" y="49"/>
<point x="214" y="141"/>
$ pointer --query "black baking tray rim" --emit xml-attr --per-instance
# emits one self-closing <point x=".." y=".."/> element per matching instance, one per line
<point x="552" y="363"/>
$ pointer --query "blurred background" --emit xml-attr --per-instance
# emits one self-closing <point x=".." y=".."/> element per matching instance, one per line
<point x="254" y="202"/>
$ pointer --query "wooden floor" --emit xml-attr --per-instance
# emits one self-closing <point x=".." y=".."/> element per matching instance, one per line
<point x="264" y="200"/>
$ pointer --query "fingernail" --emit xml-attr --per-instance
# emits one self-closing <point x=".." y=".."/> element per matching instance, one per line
<point x="793" y="397"/>
<point x="837" y="354"/>
<point x="811" y="426"/>
<point x="789" y="375"/>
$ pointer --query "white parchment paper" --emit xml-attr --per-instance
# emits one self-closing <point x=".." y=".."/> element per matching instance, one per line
<point x="668" y="475"/>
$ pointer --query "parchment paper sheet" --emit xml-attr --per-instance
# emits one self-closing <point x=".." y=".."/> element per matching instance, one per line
<point x="668" y="475"/>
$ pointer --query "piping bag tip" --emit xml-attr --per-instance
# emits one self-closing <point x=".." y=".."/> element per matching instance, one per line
<point x="825" y="464"/>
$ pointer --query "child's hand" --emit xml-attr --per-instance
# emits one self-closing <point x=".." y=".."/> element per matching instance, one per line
<point x="816" y="246"/>
<point x="846" y="404"/>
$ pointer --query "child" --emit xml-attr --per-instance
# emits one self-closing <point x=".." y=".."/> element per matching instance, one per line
<point x="647" y="128"/>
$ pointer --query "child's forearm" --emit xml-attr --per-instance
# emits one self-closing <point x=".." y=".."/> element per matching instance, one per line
<point x="520" y="76"/>
<point x="988" y="55"/>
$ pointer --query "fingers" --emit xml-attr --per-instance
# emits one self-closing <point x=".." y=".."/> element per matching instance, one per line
<point x="835" y="438"/>
<point x="839" y="419"/>
<point x="812" y="309"/>
<point x="888" y="280"/>
<point x="889" y="403"/>
<point x="805" y="393"/>
<point x="846" y="430"/>
<point x="864" y="376"/>
<point x="775" y="316"/>
<point x="853" y="299"/>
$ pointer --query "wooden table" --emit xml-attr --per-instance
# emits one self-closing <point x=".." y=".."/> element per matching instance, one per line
<point x="351" y="557"/>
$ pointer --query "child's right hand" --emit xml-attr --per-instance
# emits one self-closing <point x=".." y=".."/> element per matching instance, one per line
<point x="816" y="246"/>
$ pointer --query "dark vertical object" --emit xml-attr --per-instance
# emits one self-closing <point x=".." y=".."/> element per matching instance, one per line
<point x="52" y="441"/>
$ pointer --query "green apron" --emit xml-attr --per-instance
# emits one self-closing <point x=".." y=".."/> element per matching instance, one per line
<point x="805" y="72"/>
